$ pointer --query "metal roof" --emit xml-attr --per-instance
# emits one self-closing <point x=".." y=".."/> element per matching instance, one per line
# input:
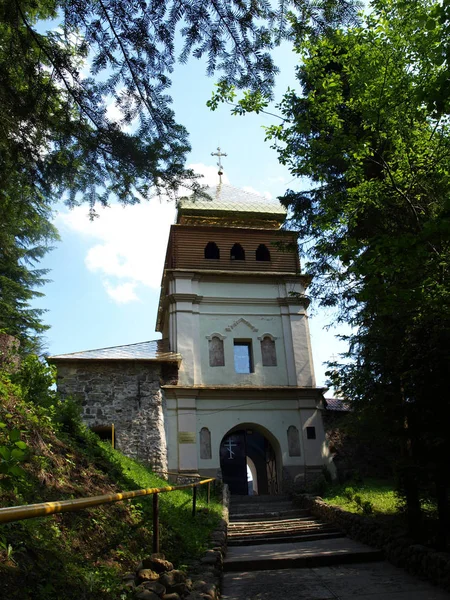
<point x="337" y="404"/>
<point x="227" y="198"/>
<point x="154" y="350"/>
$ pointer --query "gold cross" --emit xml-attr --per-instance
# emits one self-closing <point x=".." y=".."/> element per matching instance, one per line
<point x="219" y="164"/>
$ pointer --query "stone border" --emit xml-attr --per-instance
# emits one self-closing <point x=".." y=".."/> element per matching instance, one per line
<point x="400" y="550"/>
<point x="156" y="579"/>
<point x="206" y="573"/>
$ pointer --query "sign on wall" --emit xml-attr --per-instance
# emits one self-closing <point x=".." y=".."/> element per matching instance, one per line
<point x="186" y="437"/>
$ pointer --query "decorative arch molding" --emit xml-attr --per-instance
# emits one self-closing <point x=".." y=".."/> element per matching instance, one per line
<point x="217" y="335"/>
<point x="241" y="320"/>
<point x="269" y="335"/>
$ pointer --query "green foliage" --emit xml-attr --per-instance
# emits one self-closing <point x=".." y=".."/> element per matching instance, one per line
<point x="57" y="136"/>
<point x="26" y="234"/>
<point x="252" y="101"/>
<point x="349" y="493"/>
<point x="371" y="497"/>
<point x="13" y="452"/>
<point x="62" y="63"/>
<point x="36" y="379"/>
<point x="371" y="132"/>
<point x="82" y="554"/>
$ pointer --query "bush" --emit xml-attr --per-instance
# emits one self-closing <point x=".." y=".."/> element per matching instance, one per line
<point x="349" y="493"/>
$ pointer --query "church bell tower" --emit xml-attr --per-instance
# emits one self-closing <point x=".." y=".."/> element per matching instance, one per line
<point x="233" y="305"/>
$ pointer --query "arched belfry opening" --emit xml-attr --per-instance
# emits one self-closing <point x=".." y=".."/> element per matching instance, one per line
<point x="212" y="251"/>
<point x="250" y="448"/>
<point x="262" y="253"/>
<point x="237" y="252"/>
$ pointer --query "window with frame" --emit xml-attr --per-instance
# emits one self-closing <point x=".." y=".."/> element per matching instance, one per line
<point x="243" y="359"/>
<point x="310" y="433"/>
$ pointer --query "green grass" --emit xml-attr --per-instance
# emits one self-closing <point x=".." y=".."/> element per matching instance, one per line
<point x="82" y="555"/>
<point x="379" y="493"/>
<point x="181" y="535"/>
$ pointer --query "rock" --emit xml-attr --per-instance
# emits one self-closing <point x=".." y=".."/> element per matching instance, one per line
<point x="178" y="588"/>
<point x="198" y="596"/>
<point x="171" y="579"/>
<point x="210" y="558"/>
<point x="171" y="597"/>
<point x="160" y="555"/>
<point x="128" y="576"/>
<point x="153" y="586"/>
<point x="147" y="575"/>
<point x="157" y="564"/>
<point x="147" y="595"/>
<point x="206" y="588"/>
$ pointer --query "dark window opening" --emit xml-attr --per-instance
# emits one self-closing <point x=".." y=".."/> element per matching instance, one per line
<point x="243" y="361"/>
<point x="262" y="253"/>
<point x="311" y="433"/>
<point x="237" y="252"/>
<point x="105" y="433"/>
<point x="212" y="250"/>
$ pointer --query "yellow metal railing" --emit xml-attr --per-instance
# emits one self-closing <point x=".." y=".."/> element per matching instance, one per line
<point x="19" y="513"/>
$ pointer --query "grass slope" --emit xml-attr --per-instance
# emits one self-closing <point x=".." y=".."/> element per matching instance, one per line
<point x="81" y="555"/>
<point x="378" y="493"/>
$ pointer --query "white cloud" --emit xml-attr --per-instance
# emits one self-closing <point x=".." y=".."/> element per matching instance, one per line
<point x="122" y="293"/>
<point x="209" y="172"/>
<point x="128" y="244"/>
<point x="249" y="188"/>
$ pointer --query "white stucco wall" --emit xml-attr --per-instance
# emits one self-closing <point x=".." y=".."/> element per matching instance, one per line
<point x="221" y="414"/>
<point x="239" y="310"/>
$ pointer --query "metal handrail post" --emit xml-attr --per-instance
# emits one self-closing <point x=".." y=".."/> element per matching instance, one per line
<point x="194" y="500"/>
<point x="155" y="523"/>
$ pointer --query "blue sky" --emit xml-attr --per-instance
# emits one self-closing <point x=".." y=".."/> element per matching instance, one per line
<point x="106" y="274"/>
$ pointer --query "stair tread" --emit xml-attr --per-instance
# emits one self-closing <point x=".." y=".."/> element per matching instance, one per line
<point x="250" y="541"/>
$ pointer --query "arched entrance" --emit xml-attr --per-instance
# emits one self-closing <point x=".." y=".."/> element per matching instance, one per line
<point x="254" y="447"/>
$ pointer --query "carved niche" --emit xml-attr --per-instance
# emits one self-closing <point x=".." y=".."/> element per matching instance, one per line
<point x="293" y="441"/>
<point x="268" y="352"/>
<point x="205" y="443"/>
<point x="216" y="352"/>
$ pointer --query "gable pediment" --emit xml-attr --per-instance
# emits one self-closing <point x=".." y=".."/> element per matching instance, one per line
<point x="238" y="322"/>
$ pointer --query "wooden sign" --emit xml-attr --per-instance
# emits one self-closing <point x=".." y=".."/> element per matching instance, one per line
<point x="186" y="437"/>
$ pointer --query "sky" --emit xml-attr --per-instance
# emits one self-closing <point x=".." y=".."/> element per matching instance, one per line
<point x="106" y="274"/>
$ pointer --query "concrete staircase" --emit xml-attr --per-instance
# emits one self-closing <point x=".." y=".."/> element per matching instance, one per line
<point x="279" y="552"/>
<point x="271" y="521"/>
<point x="269" y="532"/>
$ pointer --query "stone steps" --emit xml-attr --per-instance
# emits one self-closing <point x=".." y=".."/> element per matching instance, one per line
<point x="287" y="537"/>
<point x="268" y="515"/>
<point x="270" y="533"/>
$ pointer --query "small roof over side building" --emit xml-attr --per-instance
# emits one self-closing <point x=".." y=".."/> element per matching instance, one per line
<point x="154" y="350"/>
<point x="336" y="404"/>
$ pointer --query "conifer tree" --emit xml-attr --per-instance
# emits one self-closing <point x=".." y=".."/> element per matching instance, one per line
<point x="63" y="61"/>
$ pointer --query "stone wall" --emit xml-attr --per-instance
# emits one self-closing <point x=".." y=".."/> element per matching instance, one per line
<point x="398" y="549"/>
<point x="124" y="393"/>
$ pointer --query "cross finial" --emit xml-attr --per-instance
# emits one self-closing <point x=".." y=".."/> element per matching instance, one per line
<point x="219" y="164"/>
